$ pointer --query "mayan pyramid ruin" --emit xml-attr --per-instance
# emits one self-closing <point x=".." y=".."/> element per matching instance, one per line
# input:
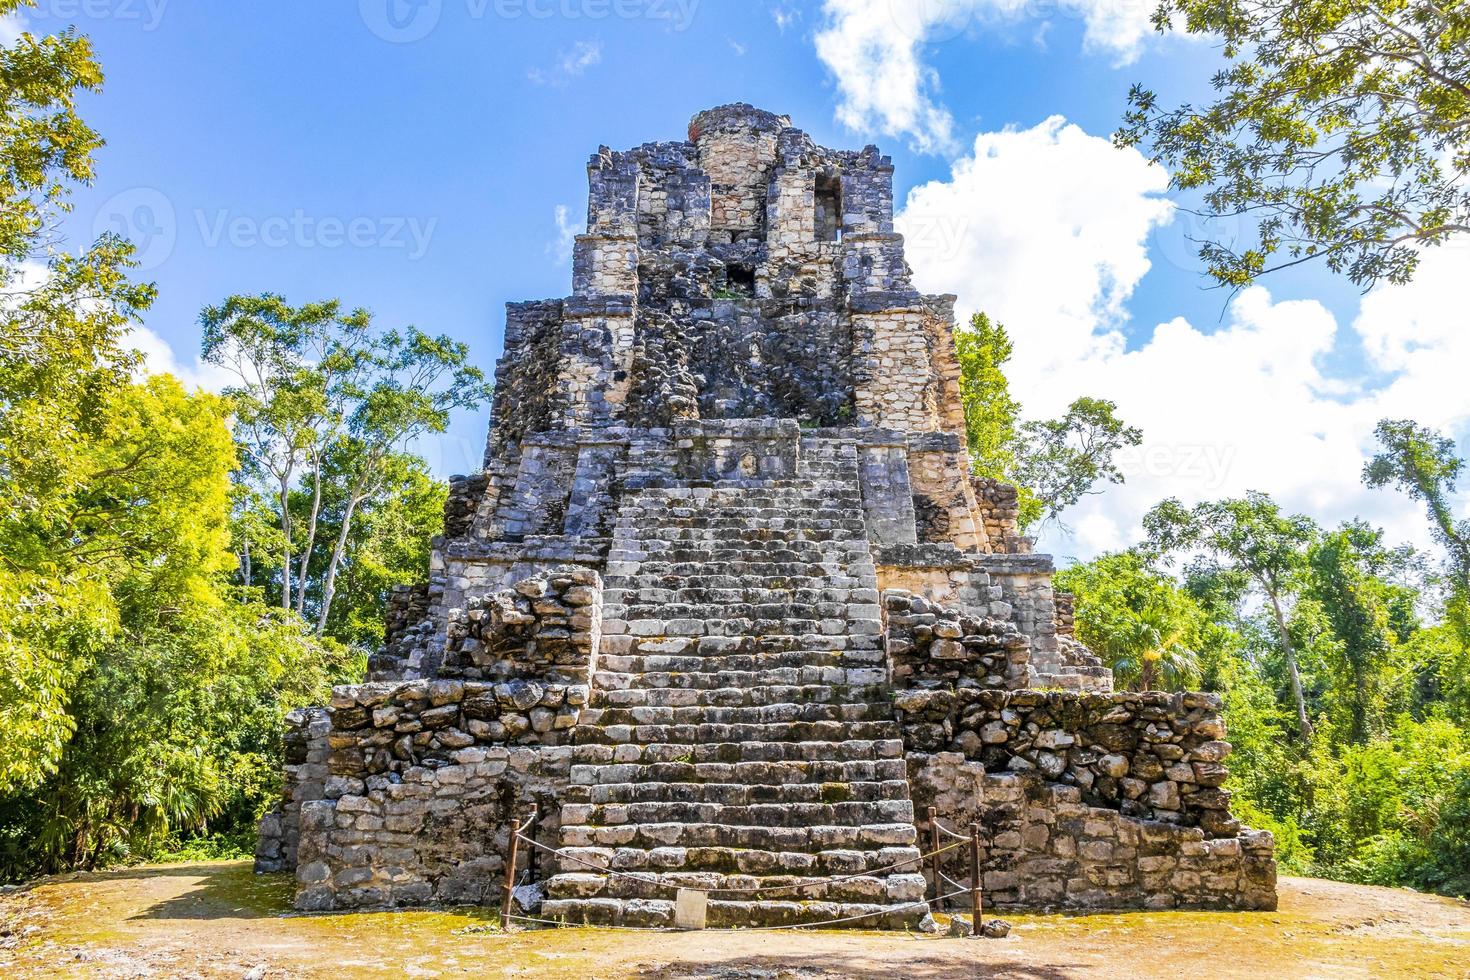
<point x="726" y="610"/>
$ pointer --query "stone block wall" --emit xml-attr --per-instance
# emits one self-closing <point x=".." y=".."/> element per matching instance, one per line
<point x="1154" y="756"/>
<point x="425" y="779"/>
<point x="546" y="627"/>
<point x="929" y="644"/>
<point x="305" y="778"/>
<point x="999" y="507"/>
<point x="1044" y="847"/>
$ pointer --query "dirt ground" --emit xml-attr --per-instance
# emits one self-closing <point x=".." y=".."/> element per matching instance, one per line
<point x="218" y="920"/>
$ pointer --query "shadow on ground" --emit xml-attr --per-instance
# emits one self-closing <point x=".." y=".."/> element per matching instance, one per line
<point x="831" y="966"/>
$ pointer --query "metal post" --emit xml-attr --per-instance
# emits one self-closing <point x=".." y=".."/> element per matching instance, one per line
<point x="974" y="879"/>
<point x="511" y="860"/>
<point x="934" y="859"/>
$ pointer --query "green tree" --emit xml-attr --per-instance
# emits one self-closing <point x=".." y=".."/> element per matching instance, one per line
<point x="1341" y="129"/>
<point x="1144" y="627"/>
<point x="1368" y="618"/>
<point x="324" y="395"/>
<point x="1253" y="539"/>
<point x="1423" y="464"/>
<point x="387" y="544"/>
<point x="1063" y="460"/>
<point x="1053" y="464"/>
<point x="992" y="414"/>
<point x="62" y="317"/>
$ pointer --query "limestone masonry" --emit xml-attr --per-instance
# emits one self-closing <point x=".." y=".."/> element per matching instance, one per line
<point x="728" y="608"/>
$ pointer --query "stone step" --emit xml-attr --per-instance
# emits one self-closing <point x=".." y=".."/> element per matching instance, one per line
<point x="816" y="777"/>
<point x="876" y="785"/>
<point x="655" y="913"/>
<point x="626" y="691"/>
<point x="852" y="750"/>
<point x="793" y="835"/>
<point x="736" y="867"/>
<point x="692" y="734"/>
<point x="851" y="813"/>
<point x="824" y="667"/>
<point x="609" y="682"/>
<point x="738" y="627"/>
<point x="756" y="715"/>
<point x="762" y="610"/>
<point x="895" y="887"/>
<point x="810" y="597"/>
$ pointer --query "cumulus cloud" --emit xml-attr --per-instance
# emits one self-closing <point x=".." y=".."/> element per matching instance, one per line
<point x="570" y="63"/>
<point x="1046" y="226"/>
<point x="1048" y="229"/>
<point x="159" y="358"/>
<point x="874" y="50"/>
<point x="882" y="84"/>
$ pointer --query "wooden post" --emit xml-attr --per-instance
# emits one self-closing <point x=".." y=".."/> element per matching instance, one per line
<point x="934" y="859"/>
<point x="511" y="860"/>
<point x="974" y="879"/>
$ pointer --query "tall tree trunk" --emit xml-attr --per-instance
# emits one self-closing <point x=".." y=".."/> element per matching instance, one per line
<point x="1296" y="674"/>
<point x="329" y="584"/>
<point x="316" y="506"/>
<point x="285" y="499"/>
<point x="245" y="569"/>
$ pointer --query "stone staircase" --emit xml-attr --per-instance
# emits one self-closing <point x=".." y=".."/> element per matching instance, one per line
<point x="741" y="733"/>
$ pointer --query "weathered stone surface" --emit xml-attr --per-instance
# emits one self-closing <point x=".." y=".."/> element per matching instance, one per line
<point x="726" y="604"/>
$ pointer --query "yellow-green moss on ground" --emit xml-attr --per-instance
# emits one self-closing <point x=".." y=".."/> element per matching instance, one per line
<point x="219" y="920"/>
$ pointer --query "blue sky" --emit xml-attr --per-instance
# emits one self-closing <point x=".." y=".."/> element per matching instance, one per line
<point x="410" y="156"/>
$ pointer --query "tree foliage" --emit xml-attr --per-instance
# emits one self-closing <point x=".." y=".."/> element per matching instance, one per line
<point x="325" y="405"/>
<point x="1146" y="629"/>
<point x="1054" y="463"/>
<point x="1342" y="129"/>
<point x="140" y="696"/>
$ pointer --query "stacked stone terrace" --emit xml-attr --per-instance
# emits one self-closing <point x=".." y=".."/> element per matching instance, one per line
<point x="726" y="600"/>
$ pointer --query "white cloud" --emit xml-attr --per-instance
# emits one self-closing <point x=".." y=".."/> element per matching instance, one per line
<point x="874" y="50"/>
<point x="570" y="63"/>
<point x="566" y="235"/>
<point x="1046" y="226"/>
<point x="12" y="27"/>
<point x="159" y="358"/>
<point x="1047" y="229"/>
<point x="882" y="85"/>
<point x="784" y="17"/>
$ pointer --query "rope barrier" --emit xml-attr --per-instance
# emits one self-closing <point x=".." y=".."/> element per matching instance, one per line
<point x="945" y="830"/>
<point x="734" y="890"/>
